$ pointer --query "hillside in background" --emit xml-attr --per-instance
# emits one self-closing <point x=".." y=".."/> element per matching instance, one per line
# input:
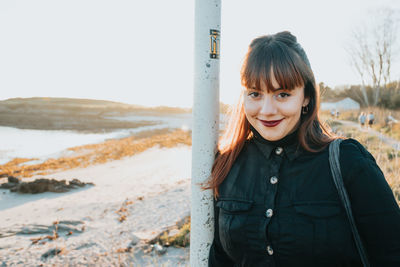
<point x="47" y="113"/>
<point x="81" y="106"/>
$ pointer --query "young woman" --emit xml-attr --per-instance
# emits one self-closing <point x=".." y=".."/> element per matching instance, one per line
<point x="276" y="202"/>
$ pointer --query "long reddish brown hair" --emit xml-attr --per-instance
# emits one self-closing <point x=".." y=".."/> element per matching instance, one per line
<point x="281" y="56"/>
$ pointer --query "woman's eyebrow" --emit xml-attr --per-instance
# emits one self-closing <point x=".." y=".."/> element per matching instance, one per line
<point x="274" y="89"/>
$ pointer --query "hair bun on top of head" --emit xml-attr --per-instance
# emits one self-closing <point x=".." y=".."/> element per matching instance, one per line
<point x="290" y="40"/>
<point x="285" y="37"/>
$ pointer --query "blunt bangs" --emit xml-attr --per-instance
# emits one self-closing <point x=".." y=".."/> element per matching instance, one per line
<point x="264" y="59"/>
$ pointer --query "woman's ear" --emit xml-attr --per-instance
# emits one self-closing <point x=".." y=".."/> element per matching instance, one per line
<point x="306" y="101"/>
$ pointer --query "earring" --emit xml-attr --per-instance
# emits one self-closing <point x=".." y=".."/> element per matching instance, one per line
<point x="305" y="109"/>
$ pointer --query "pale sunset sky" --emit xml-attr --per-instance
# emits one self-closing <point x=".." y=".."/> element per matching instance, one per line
<point x="141" y="52"/>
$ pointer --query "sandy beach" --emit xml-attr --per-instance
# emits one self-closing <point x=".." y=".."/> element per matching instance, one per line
<point x="133" y="199"/>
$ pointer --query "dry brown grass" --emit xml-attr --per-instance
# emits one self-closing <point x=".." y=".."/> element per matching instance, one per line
<point x="123" y="211"/>
<point x="86" y="155"/>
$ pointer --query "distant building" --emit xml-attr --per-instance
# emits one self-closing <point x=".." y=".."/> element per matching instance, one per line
<point x="344" y="104"/>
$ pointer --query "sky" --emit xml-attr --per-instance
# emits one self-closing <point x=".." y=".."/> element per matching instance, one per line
<point x="141" y="52"/>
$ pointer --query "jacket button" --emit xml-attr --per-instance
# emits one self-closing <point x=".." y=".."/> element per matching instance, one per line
<point x="269" y="213"/>
<point x="273" y="180"/>
<point x="278" y="150"/>
<point x="270" y="250"/>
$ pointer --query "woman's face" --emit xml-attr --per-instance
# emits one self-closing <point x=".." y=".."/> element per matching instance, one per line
<point x="274" y="114"/>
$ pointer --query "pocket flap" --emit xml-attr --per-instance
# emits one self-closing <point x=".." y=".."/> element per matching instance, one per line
<point x="318" y="209"/>
<point x="234" y="205"/>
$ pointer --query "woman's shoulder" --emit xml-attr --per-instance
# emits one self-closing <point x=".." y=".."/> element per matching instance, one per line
<point x="356" y="159"/>
<point x="351" y="149"/>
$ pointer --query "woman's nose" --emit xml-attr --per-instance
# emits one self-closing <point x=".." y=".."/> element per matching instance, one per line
<point x="268" y="106"/>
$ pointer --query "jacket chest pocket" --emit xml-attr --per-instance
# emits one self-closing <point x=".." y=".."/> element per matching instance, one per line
<point x="325" y="228"/>
<point x="231" y="222"/>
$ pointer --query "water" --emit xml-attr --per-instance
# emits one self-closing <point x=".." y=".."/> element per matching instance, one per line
<point x="43" y="144"/>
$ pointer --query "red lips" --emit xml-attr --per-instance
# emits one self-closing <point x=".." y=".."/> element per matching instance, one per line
<point x="271" y="123"/>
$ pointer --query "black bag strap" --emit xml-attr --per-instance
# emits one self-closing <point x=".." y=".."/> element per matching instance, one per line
<point x="334" y="153"/>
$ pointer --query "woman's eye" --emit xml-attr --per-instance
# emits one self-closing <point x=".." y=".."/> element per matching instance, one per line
<point x="254" y="94"/>
<point x="282" y="95"/>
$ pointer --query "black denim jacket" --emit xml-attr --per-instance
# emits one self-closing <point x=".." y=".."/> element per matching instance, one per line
<point x="279" y="206"/>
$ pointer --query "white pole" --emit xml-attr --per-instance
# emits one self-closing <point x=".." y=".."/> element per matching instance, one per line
<point x="205" y="126"/>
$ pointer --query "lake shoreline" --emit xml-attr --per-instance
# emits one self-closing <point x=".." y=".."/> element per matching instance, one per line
<point x="85" y="155"/>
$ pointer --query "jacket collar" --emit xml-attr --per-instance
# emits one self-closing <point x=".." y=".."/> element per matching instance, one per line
<point x="289" y="144"/>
